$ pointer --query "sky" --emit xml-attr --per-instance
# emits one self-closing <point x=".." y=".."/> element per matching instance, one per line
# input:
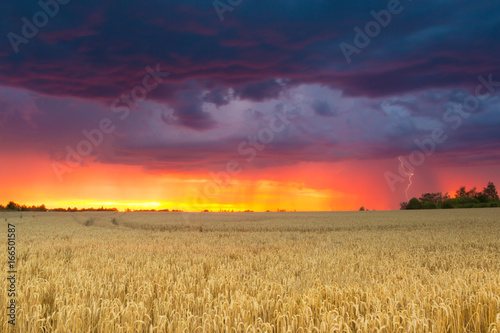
<point x="239" y="104"/>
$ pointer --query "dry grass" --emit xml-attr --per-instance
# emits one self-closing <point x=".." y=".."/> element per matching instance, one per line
<point x="402" y="271"/>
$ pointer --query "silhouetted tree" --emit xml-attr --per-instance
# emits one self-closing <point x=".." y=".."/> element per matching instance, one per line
<point x="403" y="205"/>
<point x="414" y="204"/>
<point x="362" y="209"/>
<point x="491" y="191"/>
<point x="463" y="199"/>
<point x="481" y="197"/>
<point x="471" y="193"/>
<point x="13" y="206"/>
<point x="461" y="193"/>
<point x="436" y="198"/>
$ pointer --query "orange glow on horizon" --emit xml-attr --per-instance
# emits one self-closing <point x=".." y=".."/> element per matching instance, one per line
<point x="340" y="186"/>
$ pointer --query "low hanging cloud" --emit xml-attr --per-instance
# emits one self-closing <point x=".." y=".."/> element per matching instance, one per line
<point x="198" y="135"/>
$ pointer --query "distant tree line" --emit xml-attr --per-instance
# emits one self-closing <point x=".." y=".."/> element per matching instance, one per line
<point x="17" y="207"/>
<point x="472" y="198"/>
<point x="12" y="206"/>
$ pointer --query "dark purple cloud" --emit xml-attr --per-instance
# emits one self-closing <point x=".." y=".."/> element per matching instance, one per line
<point x="157" y="137"/>
<point x="227" y="78"/>
<point x="98" y="49"/>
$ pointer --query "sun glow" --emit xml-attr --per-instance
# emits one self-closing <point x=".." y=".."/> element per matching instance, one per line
<point x="110" y="204"/>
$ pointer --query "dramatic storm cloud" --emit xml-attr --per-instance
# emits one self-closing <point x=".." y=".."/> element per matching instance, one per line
<point x="183" y="87"/>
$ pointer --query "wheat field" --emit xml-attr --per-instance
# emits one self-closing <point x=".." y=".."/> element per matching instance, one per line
<point x="397" y="271"/>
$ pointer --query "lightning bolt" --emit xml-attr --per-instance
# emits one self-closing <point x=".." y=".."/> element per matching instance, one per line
<point x="407" y="174"/>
